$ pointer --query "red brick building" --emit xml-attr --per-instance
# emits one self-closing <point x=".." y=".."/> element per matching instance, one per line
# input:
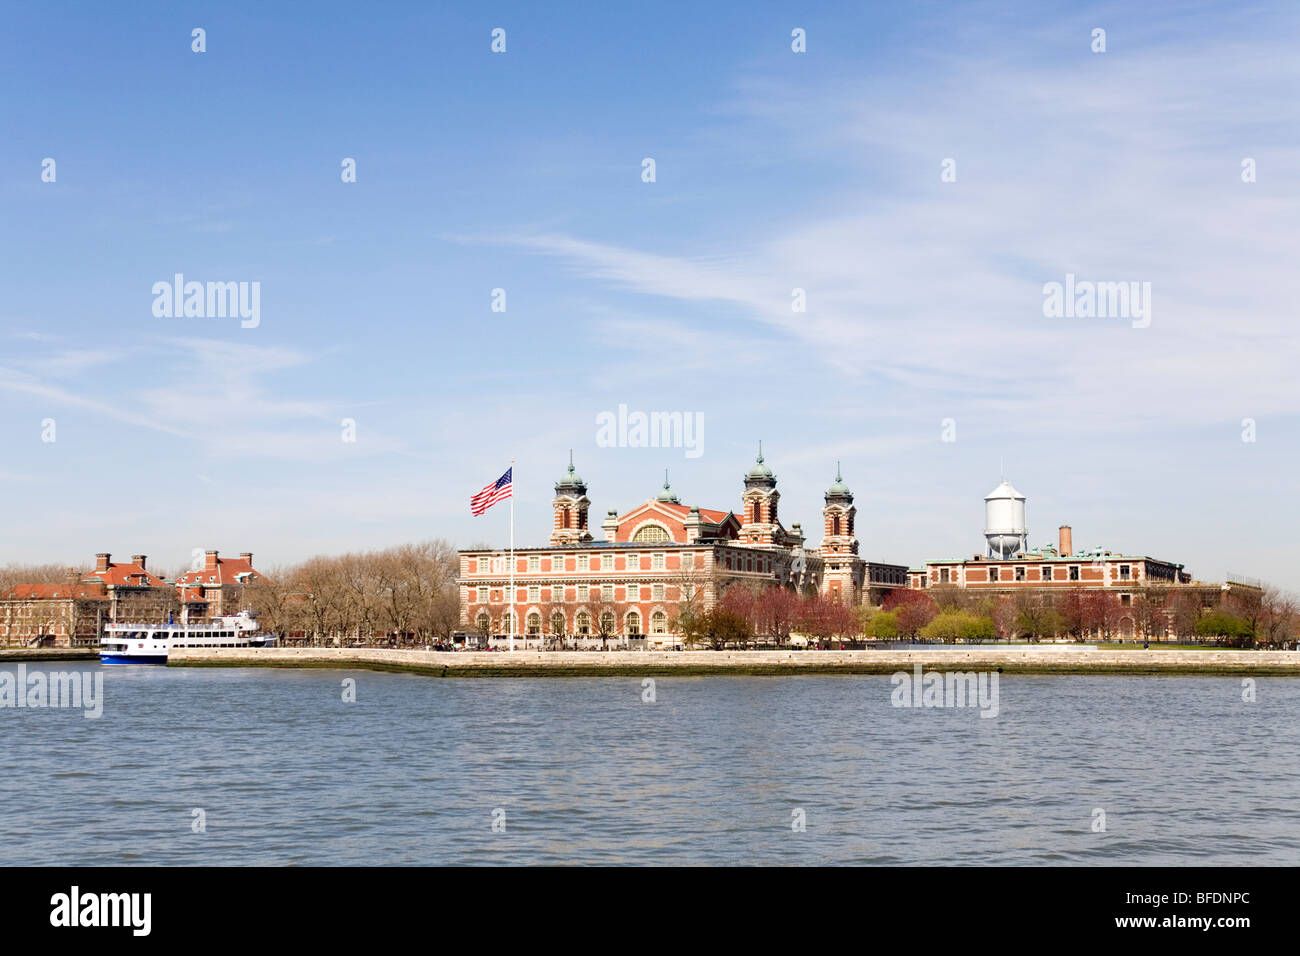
<point x="658" y="560"/>
<point x="74" y="612"/>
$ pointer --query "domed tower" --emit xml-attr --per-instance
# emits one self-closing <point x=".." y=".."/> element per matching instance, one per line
<point x="760" y="523"/>
<point x="570" y="504"/>
<point x="844" y="570"/>
<point x="840" y="514"/>
<point x="1005" y="527"/>
<point x="667" y="495"/>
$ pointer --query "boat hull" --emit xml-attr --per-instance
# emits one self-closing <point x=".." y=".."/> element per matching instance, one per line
<point x="133" y="658"/>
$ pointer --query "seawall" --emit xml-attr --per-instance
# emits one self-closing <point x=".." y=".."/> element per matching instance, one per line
<point x="49" y="654"/>
<point x="1054" y="659"/>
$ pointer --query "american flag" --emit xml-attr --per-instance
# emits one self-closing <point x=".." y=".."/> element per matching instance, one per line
<point x="498" y="490"/>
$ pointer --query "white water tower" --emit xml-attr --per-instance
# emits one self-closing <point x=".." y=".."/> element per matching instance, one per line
<point x="1004" y="521"/>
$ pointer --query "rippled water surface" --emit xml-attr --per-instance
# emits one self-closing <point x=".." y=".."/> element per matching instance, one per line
<point x="585" y="772"/>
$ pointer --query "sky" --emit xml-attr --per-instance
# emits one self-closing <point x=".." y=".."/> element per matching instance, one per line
<point x="920" y="171"/>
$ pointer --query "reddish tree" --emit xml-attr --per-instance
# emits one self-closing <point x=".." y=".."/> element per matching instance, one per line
<point x="1072" y="607"/>
<point x="1004" y="615"/>
<point x="1101" y="613"/>
<point x="914" y="610"/>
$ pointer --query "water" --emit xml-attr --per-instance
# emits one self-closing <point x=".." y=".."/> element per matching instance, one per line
<point x="286" y="772"/>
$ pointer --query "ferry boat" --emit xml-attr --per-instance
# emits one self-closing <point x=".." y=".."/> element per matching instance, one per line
<point x="149" y="643"/>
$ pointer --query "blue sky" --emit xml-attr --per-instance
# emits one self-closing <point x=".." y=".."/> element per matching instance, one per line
<point x="522" y="171"/>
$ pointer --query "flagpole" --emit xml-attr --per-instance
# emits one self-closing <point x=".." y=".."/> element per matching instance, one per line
<point x="512" y="555"/>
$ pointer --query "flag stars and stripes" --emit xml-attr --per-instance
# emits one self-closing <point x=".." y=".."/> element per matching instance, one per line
<point x="495" y="491"/>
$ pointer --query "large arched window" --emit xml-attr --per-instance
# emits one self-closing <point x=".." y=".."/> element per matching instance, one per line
<point x="534" y="624"/>
<point x="557" y="623"/>
<point x="650" y="534"/>
<point x="633" y="624"/>
<point x="659" y="622"/>
<point x="584" y="622"/>
<point x="483" y="623"/>
<point x="506" y="624"/>
<point x="607" y="623"/>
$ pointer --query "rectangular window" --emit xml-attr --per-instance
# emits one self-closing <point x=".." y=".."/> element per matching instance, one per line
<point x="943" y="575"/>
<point x="607" y="562"/>
<point x="1046" y="572"/>
<point x="534" y="593"/>
<point x="607" y="592"/>
<point x="634" y="562"/>
<point x="1123" y="572"/>
<point x="658" y="562"/>
<point x="1020" y="573"/>
<point x="534" y="563"/>
<point x="634" y="592"/>
<point x="1074" y="572"/>
<point x="482" y="595"/>
<point x="688" y="562"/>
<point x="658" y="592"/>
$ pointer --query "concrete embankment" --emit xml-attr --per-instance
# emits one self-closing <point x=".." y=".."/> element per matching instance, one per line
<point x="1059" y="659"/>
<point x="49" y="654"/>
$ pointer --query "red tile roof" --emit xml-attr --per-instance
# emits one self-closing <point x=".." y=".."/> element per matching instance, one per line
<point x="44" y="592"/>
<point x="708" y="514"/>
<point x="227" y="571"/>
<point x="126" y="575"/>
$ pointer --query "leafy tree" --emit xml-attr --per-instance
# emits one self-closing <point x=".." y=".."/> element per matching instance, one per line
<point x="1226" y="626"/>
<point x="881" y="626"/>
<point x="721" y="627"/>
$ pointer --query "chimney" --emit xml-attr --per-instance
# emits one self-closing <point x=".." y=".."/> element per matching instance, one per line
<point x="1066" y="541"/>
<point x="211" y="560"/>
<point x="138" y="560"/>
<point x="246" y="556"/>
<point x="102" y="561"/>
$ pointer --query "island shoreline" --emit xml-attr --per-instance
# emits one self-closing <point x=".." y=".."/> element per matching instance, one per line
<point x="1035" y="660"/>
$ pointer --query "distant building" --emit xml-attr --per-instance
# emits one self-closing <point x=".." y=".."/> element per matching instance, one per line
<point x="1010" y="568"/>
<point x="53" y="615"/>
<point x="73" y="613"/>
<point x="660" y="559"/>
<point x="1054" y="568"/>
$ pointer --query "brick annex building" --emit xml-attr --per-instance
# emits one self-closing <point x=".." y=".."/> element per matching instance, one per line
<point x="74" y="612"/>
<point x="1048" y="572"/>
<point x="661" y="558"/>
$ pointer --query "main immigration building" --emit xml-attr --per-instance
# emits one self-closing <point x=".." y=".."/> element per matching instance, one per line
<point x="661" y="558"/>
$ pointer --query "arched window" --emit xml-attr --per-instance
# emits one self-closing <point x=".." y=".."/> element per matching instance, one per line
<point x="506" y="624"/>
<point x="650" y="534"/>
<point x="584" y="622"/>
<point x="534" y="624"/>
<point x="557" y="624"/>
<point x="484" y="623"/>
<point x="634" y="624"/>
<point x="659" y="622"/>
<point x="607" y="624"/>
